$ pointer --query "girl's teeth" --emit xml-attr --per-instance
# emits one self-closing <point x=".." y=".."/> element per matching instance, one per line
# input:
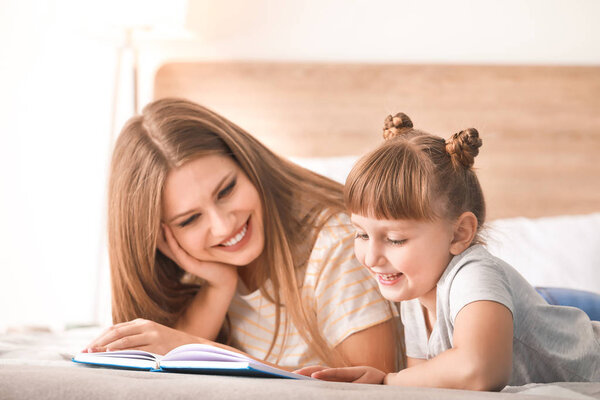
<point x="389" y="277"/>
<point x="236" y="238"/>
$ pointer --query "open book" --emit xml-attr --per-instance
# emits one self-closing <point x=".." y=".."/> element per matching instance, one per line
<point x="189" y="358"/>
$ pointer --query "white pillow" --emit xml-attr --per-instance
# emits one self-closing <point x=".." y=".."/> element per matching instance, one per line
<point x="336" y="168"/>
<point x="562" y="251"/>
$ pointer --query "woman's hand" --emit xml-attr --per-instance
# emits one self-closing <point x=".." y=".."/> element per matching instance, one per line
<point x="214" y="273"/>
<point x="348" y="374"/>
<point x="141" y="334"/>
<point x="205" y="314"/>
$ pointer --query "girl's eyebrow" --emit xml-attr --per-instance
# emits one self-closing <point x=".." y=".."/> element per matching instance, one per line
<point x="354" y="224"/>
<point x="214" y="193"/>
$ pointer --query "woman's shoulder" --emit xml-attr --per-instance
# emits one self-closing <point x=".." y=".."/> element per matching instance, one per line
<point x="335" y="227"/>
<point x="334" y="244"/>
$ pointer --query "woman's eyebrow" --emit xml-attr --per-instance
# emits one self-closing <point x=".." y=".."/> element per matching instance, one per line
<point x="214" y="193"/>
<point x="218" y="187"/>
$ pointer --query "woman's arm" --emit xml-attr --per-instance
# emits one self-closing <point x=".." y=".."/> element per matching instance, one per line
<point x="374" y="346"/>
<point x="372" y="349"/>
<point x="143" y="334"/>
<point x="481" y="356"/>
<point x="204" y="316"/>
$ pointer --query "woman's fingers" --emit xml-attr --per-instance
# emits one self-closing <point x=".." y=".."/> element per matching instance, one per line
<point x="176" y="253"/>
<point x="114" y="333"/>
<point x="131" y="342"/>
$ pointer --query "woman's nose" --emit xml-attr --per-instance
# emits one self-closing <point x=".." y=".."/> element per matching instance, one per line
<point x="221" y="223"/>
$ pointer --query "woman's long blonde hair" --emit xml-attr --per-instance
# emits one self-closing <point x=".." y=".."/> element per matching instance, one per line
<point x="168" y="134"/>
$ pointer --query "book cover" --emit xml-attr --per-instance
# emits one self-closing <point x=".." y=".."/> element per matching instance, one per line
<point x="189" y="358"/>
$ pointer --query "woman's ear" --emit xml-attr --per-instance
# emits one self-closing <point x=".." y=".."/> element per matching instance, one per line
<point x="465" y="229"/>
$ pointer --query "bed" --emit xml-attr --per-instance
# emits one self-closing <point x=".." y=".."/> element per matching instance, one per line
<point x="538" y="167"/>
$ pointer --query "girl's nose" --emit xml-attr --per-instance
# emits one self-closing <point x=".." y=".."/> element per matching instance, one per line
<point x="374" y="256"/>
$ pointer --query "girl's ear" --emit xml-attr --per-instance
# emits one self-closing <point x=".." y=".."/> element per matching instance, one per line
<point x="465" y="229"/>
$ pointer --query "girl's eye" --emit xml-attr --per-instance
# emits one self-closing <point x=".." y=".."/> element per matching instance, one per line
<point x="227" y="189"/>
<point x="362" y="236"/>
<point x="189" y="220"/>
<point x="397" y="242"/>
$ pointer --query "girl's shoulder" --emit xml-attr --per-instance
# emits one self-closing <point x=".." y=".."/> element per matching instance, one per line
<point x="473" y="264"/>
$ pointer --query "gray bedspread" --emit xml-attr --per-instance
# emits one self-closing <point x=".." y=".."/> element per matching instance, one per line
<point x="37" y="365"/>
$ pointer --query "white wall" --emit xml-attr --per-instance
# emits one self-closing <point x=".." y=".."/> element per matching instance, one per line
<point x="56" y="82"/>
<point x="459" y="31"/>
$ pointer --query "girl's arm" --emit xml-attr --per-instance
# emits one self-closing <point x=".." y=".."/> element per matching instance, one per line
<point x="411" y="362"/>
<point x="481" y="356"/>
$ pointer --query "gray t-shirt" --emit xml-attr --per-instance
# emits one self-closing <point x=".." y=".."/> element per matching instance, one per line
<point x="550" y="343"/>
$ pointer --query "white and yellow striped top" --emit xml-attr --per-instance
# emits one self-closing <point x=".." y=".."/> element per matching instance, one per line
<point x="345" y="298"/>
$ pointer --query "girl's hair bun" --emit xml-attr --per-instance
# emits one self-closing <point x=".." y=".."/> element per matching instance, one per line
<point x="396" y="125"/>
<point x="463" y="147"/>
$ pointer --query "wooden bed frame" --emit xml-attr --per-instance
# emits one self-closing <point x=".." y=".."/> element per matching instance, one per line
<point x="540" y="124"/>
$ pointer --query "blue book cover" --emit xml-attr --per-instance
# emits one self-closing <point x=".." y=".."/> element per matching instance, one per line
<point x="189" y="358"/>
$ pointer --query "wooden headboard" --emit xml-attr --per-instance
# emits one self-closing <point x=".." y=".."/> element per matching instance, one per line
<point x="540" y="125"/>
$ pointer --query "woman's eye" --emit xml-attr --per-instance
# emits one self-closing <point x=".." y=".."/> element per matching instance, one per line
<point x="189" y="220"/>
<point x="227" y="189"/>
<point x="362" y="236"/>
<point x="397" y="242"/>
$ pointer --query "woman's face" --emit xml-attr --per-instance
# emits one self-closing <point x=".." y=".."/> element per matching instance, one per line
<point x="214" y="211"/>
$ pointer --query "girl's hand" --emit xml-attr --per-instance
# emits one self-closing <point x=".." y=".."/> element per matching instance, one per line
<point x="308" y="371"/>
<point x="141" y="334"/>
<point x="214" y="273"/>
<point x="348" y="374"/>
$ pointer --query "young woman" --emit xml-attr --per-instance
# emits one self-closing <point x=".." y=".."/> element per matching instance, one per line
<point x="214" y="237"/>
<point x="470" y="320"/>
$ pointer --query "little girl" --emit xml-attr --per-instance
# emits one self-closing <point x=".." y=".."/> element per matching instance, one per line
<point x="470" y="320"/>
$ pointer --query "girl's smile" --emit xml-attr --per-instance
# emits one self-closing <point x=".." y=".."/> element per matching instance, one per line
<point x="389" y="279"/>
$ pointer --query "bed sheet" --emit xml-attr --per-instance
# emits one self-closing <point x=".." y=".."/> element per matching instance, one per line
<point x="37" y="365"/>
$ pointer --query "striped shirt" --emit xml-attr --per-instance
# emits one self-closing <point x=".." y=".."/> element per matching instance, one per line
<point x="344" y="296"/>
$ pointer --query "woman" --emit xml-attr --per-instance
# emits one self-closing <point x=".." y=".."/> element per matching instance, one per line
<point x="211" y="235"/>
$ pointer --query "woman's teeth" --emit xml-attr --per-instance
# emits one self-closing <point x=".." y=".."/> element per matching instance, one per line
<point x="389" y="277"/>
<point x="236" y="238"/>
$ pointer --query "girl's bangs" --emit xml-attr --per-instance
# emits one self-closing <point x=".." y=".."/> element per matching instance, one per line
<point x="389" y="184"/>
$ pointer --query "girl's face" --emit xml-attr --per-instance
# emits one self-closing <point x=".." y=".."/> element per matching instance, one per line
<point x="406" y="257"/>
<point x="214" y="211"/>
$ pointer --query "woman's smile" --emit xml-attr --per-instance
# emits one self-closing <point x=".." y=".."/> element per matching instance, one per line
<point x="238" y="239"/>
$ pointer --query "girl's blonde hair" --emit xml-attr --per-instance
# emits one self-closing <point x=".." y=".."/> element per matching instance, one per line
<point x="168" y="134"/>
<point x="416" y="175"/>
